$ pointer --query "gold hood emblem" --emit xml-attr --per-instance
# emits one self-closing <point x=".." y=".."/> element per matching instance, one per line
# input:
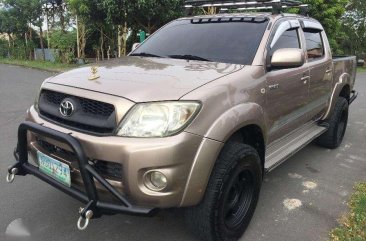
<point x="94" y="73"/>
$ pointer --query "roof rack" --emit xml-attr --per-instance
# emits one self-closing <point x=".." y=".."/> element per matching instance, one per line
<point x="276" y="6"/>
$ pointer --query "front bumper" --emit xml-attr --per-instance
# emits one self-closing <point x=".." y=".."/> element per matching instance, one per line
<point x="173" y="156"/>
<point x="90" y="197"/>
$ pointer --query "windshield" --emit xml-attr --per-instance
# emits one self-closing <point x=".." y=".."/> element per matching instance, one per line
<point x="217" y="41"/>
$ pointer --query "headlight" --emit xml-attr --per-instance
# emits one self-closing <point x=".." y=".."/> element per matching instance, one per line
<point x="158" y="119"/>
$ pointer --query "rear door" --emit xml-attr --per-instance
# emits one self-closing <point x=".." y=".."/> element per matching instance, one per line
<point x="320" y="65"/>
<point x="287" y="89"/>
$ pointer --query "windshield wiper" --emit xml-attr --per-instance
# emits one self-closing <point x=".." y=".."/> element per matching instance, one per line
<point x="188" y="56"/>
<point x="143" y="54"/>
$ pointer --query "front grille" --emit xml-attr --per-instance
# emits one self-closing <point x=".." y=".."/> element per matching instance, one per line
<point x="90" y="116"/>
<point x="96" y="107"/>
<point x="88" y="106"/>
<point x="54" y="97"/>
<point x="77" y="126"/>
<point x="108" y="170"/>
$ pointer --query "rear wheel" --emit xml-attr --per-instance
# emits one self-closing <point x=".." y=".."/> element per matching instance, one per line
<point x="337" y="125"/>
<point x="231" y="195"/>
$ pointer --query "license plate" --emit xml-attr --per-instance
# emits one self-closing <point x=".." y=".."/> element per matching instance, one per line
<point x="55" y="169"/>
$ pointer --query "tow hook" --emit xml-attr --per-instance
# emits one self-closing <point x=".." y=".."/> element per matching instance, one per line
<point x="11" y="175"/>
<point x="88" y="216"/>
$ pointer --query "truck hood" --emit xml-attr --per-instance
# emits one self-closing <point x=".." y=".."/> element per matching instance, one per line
<point x="146" y="79"/>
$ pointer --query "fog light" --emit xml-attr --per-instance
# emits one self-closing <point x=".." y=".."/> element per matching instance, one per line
<point x="158" y="180"/>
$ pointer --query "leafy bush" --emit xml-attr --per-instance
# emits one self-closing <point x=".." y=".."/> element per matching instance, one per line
<point x="3" y="48"/>
<point x="65" y="42"/>
<point x="18" y="49"/>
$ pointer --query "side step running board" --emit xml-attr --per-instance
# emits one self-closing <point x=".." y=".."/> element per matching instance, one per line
<point x="283" y="149"/>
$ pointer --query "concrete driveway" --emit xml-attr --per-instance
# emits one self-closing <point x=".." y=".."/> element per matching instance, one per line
<point x="300" y="200"/>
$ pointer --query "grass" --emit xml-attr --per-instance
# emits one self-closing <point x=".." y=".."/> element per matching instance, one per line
<point x="361" y="69"/>
<point x="42" y="65"/>
<point x="353" y="225"/>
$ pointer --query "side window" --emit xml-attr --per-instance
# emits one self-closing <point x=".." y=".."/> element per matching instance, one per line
<point x="289" y="39"/>
<point x="314" y="44"/>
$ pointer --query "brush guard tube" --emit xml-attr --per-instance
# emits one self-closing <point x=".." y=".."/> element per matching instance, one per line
<point x="94" y="207"/>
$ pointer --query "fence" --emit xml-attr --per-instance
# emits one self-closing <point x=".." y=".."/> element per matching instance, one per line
<point x="50" y="54"/>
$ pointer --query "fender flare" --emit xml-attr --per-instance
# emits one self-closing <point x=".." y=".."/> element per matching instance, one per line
<point x="236" y="118"/>
<point x="220" y="131"/>
<point x="344" y="79"/>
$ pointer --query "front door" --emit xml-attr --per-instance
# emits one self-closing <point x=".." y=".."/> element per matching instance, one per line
<point x="287" y="90"/>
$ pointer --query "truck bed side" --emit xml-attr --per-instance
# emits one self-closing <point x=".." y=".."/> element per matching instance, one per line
<point x="342" y="65"/>
<point x="344" y="75"/>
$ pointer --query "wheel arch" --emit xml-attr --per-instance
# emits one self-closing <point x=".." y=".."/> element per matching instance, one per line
<point x="346" y="92"/>
<point x="342" y="88"/>
<point x="251" y="135"/>
<point x="244" y="123"/>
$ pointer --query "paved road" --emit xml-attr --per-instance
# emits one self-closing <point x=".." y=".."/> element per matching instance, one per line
<point x="320" y="180"/>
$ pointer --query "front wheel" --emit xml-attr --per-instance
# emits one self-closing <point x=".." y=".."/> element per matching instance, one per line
<point x="231" y="196"/>
<point x="333" y="137"/>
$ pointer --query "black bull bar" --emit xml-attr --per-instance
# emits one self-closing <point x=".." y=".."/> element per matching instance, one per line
<point x="94" y="207"/>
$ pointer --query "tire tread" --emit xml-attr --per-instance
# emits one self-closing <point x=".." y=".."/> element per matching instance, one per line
<point x="329" y="138"/>
<point x="199" y="219"/>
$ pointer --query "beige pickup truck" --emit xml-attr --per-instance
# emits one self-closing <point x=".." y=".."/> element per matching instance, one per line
<point x="193" y="118"/>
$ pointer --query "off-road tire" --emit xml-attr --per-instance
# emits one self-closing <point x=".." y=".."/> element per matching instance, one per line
<point x="333" y="137"/>
<point x="235" y="180"/>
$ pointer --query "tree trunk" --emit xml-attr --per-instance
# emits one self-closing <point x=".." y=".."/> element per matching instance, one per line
<point x="62" y="18"/>
<point x="149" y="27"/>
<point x="41" y="42"/>
<point x="98" y="55"/>
<point x="30" y="38"/>
<point x="9" y="42"/>
<point x="78" y="52"/>
<point x="119" y="40"/>
<point x="82" y="37"/>
<point x="102" y="42"/>
<point x="125" y="30"/>
<point x="26" y="45"/>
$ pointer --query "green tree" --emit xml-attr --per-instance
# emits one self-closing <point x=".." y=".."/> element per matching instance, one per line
<point x="65" y="43"/>
<point x="11" y="25"/>
<point x="354" y="24"/>
<point x="93" y="12"/>
<point x="116" y="13"/>
<point x="31" y="12"/>
<point x="329" y="13"/>
<point x="149" y="15"/>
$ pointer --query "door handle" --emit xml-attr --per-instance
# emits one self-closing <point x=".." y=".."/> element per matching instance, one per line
<point x="328" y="71"/>
<point x="305" y="79"/>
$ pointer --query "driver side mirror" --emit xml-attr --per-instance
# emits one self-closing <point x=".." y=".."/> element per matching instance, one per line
<point x="288" y="58"/>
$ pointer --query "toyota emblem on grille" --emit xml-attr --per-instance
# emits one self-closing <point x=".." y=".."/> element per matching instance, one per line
<point x="66" y="108"/>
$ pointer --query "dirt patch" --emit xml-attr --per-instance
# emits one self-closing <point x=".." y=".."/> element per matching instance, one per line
<point x="292" y="204"/>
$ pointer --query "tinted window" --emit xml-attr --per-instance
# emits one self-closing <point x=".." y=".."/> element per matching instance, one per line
<point x="227" y="42"/>
<point x="314" y="44"/>
<point x="289" y="39"/>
